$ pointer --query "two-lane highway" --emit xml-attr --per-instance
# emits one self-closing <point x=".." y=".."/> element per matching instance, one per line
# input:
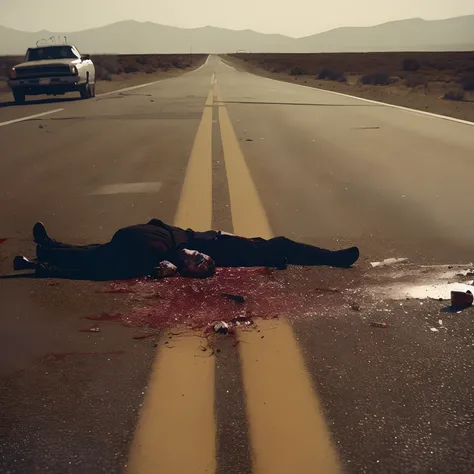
<point x="317" y="390"/>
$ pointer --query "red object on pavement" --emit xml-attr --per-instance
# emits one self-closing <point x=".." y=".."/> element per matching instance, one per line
<point x="3" y="240"/>
<point x="461" y="299"/>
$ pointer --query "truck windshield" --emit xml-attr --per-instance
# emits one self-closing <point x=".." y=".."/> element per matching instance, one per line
<point x="51" y="52"/>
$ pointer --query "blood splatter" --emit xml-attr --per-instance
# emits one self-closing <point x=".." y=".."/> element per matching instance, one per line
<point x="105" y="317"/>
<point x="3" y="241"/>
<point x="197" y="303"/>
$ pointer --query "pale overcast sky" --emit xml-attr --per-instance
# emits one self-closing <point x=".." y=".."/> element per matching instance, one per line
<point x="290" y="17"/>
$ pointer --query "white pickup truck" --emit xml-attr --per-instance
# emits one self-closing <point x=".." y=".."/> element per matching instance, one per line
<point x="53" y="70"/>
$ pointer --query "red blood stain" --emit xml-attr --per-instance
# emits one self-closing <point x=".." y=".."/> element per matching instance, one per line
<point x="132" y="282"/>
<point x="105" y="317"/>
<point x="63" y="355"/>
<point x="197" y="303"/>
<point x="3" y="241"/>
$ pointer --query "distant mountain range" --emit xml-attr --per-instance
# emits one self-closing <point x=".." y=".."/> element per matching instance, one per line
<point x="454" y="34"/>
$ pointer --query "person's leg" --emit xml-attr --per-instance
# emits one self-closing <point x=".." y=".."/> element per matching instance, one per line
<point x="93" y="262"/>
<point x="304" y="254"/>
<point x="42" y="269"/>
<point x="66" y="255"/>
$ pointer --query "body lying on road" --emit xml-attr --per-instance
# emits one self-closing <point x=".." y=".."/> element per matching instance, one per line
<point x="157" y="249"/>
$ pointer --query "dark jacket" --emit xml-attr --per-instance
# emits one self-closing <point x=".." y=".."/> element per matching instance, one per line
<point x="150" y="243"/>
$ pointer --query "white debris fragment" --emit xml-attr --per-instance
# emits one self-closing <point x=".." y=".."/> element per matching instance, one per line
<point x="221" y="327"/>
<point x="440" y="291"/>
<point x="434" y="329"/>
<point x="389" y="261"/>
<point x="440" y="322"/>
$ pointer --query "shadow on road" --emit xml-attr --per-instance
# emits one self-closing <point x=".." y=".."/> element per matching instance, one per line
<point x="16" y="276"/>
<point x="55" y="100"/>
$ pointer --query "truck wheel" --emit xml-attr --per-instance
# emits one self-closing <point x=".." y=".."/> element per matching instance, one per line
<point x="84" y="91"/>
<point x="19" y="96"/>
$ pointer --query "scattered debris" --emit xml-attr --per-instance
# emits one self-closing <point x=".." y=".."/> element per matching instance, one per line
<point x="241" y="321"/>
<point x="91" y="329"/>
<point x="461" y="300"/>
<point x="436" y="291"/>
<point x="434" y="329"/>
<point x="221" y="327"/>
<point x="41" y="126"/>
<point x="389" y="261"/>
<point x="355" y="307"/>
<point x="379" y="325"/>
<point x="236" y="298"/>
<point x="329" y="290"/>
<point x="249" y="140"/>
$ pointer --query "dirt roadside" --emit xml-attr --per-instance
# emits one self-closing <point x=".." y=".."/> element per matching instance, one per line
<point x="436" y="75"/>
<point x="116" y="72"/>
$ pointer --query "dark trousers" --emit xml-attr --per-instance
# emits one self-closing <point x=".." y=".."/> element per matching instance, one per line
<point x="235" y="251"/>
<point x="95" y="261"/>
<point x="297" y="253"/>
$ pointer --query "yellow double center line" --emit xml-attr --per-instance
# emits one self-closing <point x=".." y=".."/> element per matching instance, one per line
<point x="176" y="433"/>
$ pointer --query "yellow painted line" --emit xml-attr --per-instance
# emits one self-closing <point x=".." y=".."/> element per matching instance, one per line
<point x="249" y="218"/>
<point x="195" y="203"/>
<point x="210" y="99"/>
<point x="176" y="430"/>
<point x="287" y="429"/>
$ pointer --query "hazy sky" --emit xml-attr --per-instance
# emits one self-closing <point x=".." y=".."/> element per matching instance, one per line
<point x="290" y="17"/>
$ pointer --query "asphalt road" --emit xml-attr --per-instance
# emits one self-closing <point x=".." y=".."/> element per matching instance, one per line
<point x="315" y="390"/>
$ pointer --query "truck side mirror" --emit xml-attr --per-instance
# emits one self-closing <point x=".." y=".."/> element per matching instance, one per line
<point x="85" y="57"/>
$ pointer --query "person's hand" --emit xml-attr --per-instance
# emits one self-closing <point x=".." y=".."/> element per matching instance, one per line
<point x="164" y="269"/>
